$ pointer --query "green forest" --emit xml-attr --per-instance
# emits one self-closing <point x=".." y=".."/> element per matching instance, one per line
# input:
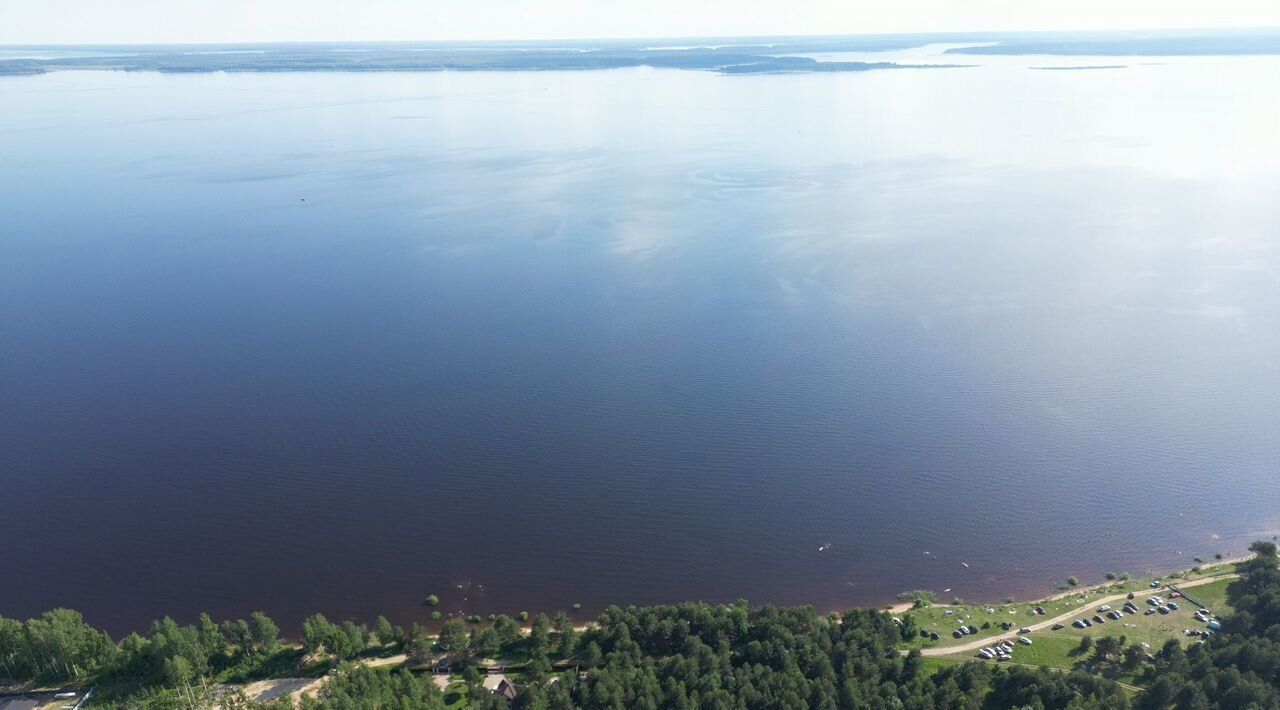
<point x="682" y="656"/>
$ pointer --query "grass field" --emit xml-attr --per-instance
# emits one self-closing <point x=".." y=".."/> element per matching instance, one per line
<point x="990" y="617"/>
<point x="1057" y="649"/>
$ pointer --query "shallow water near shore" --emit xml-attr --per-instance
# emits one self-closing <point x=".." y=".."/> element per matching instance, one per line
<point x="333" y="342"/>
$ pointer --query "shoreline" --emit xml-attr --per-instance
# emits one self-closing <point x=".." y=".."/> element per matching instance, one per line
<point x="899" y="607"/>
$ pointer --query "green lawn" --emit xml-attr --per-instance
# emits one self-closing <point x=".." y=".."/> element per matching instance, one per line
<point x="455" y="696"/>
<point x="1055" y="648"/>
<point x="1155" y="629"/>
<point x="936" y="618"/>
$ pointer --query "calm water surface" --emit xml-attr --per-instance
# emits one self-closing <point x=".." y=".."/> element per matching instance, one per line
<point x="332" y="342"/>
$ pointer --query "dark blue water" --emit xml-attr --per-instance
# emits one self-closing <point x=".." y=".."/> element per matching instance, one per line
<point x="333" y="342"/>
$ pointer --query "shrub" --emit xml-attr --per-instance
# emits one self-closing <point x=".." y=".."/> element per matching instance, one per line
<point x="919" y="598"/>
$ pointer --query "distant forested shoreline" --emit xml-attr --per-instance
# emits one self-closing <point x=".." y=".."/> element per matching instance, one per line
<point x="728" y="56"/>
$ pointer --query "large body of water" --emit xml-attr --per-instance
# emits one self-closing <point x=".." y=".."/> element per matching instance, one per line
<point x="332" y="342"/>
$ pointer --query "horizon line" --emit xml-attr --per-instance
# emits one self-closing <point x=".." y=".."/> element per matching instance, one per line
<point x="665" y="38"/>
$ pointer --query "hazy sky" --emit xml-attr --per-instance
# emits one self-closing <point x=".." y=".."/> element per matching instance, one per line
<point x="55" y="21"/>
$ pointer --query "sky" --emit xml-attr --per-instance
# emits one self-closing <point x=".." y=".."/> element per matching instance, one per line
<point x="178" y="21"/>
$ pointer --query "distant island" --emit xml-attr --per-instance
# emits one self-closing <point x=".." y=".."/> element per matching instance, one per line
<point x="1206" y="638"/>
<point x="384" y="57"/>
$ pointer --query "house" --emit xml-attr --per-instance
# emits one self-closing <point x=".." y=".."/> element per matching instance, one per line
<point x="507" y="689"/>
<point x="498" y="684"/>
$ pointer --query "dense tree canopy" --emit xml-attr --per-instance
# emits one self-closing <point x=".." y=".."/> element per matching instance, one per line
<point x="1239" y="668"/>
